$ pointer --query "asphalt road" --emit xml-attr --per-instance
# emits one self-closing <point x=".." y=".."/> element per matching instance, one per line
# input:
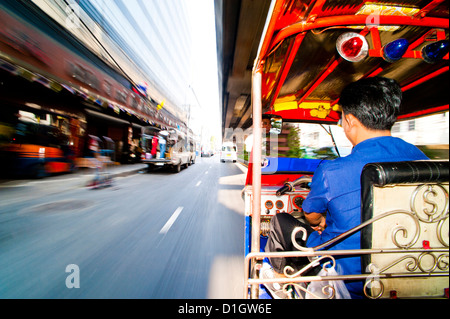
<point x="150" y="235"/>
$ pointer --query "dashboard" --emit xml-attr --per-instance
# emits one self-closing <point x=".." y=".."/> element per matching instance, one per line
<point x="271" y="204"/>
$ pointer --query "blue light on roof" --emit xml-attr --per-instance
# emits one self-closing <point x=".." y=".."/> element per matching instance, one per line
<point x="435" y="51"/>
<point x="394" y="50"/>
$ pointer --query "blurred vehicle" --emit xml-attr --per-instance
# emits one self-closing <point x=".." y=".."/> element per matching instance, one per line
<point x="205" y="153"/>
<point x="191" y="147"/>
<point x="229" y="152"/>
<point x="36" y="150"/>
<point x="171" y="148"/>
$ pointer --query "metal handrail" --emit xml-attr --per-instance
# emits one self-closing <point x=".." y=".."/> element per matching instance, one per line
<point x="351" y="252"/>
<point x="314" y="252"/>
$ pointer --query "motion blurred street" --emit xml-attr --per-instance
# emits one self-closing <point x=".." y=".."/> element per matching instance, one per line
<point x="149" y="235"/>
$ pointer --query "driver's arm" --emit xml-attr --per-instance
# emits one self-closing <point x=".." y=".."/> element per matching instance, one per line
<point x="316" y="203"/>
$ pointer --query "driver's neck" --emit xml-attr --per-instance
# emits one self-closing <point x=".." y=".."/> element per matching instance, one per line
<point x="368" y="134"/>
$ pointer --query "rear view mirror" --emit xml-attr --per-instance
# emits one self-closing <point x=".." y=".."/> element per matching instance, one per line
<point x="276" y="122"/>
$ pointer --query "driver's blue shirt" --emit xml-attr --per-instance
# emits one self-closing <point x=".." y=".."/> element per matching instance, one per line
<point x="336" y="190"/>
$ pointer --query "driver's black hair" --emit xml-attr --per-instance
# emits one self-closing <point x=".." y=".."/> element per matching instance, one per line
<point x="374" y="101"/>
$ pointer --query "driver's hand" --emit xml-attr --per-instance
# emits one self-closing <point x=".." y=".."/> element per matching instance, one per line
<point x="322" y="225"/>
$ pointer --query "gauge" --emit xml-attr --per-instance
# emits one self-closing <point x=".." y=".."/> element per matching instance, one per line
<point x="268" y="204"/>
<point x="279" y="204"/>
<point x="298" y="202"/>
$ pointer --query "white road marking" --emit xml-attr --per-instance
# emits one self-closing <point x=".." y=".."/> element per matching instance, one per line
<point x="171" y="220"/>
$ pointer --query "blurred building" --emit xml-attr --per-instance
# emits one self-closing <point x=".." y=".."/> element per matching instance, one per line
<point x="150" y="41"/>
<point x="418" y="131"/>
<point x="60" y="66"/>
<point x="429" y="133"/>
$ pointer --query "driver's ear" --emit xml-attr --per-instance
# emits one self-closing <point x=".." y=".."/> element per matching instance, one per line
<point x="351" y="120"/>
<point x="351" y="127"/>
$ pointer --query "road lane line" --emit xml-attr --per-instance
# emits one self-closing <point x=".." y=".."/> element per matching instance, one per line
<point x="198" y="184"/>
<point x="171" y="220"/>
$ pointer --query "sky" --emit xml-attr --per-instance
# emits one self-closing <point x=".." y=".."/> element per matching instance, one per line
<point x="205" y="80"/>
<point x="196" y="86"/>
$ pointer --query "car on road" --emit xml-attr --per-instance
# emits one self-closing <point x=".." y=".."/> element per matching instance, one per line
<point x="207" y="153"/>
<point x="172" y="148"/>
<point x="228" y="152"/>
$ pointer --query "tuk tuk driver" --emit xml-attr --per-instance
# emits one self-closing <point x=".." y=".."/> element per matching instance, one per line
<point x="266" y="124"/>
<point x="369" y="110"/>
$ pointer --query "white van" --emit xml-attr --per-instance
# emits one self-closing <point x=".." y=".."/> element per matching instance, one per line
<point x="228" y="152"/>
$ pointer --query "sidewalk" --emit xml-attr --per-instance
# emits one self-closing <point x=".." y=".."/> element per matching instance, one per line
<point x="87" y="174"/>
<point x="80" y="178"/>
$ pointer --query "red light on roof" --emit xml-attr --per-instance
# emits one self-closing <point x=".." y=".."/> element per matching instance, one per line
<point x="352" y="46"/>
